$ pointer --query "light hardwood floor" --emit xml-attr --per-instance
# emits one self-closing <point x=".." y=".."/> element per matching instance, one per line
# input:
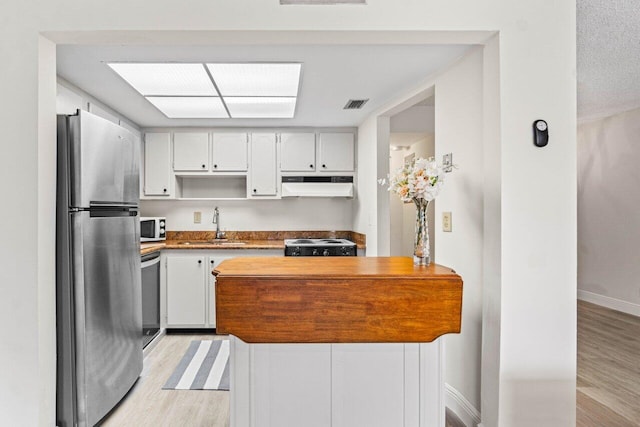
<point x="608" y="385"/>
<point x="148" y="405"/>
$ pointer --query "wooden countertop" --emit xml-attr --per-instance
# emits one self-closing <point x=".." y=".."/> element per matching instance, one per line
<point x="336" y="300"/>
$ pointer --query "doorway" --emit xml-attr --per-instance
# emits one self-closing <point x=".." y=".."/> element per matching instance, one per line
<point x="412" y="136"/>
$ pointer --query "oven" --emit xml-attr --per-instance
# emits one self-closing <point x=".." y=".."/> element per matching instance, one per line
<point x="319" y="247"/>
<point x="150" y="297"/>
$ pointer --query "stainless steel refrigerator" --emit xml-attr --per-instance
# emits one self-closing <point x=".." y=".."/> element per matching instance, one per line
<point x="99" y="310"/>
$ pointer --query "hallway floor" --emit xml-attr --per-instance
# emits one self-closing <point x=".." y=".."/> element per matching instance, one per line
<point x="608" y="386"/>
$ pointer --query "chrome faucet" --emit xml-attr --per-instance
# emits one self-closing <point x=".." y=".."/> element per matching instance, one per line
<point x="216" y="221"/>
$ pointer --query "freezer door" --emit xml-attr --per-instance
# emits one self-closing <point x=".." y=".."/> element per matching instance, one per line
<point x="105" y="162"/>
<point x="108" y="310"/>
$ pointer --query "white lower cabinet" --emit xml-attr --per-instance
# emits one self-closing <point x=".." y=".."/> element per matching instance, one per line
<point x="191" y="286"/>
<point x="186" y="291"/>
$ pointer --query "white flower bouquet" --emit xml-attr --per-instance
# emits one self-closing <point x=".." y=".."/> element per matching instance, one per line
<point x="422" y="180"/>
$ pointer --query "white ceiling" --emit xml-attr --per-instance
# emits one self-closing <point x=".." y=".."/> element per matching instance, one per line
<point x="608" y="58"/>
<point x="608" y="71"/>
<point x="331" y="75"/>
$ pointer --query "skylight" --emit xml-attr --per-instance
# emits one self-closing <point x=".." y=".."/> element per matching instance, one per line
<point x="266" y="107"/>
<point x="167" y="79"/>
<point x="189" y="107"/>
<point x="256" y="79"/>
<point x="247" y="90"/>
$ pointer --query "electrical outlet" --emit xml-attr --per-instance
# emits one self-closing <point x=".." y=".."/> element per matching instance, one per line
<point x="197" y="217"/>
<point x="446" y="221"/>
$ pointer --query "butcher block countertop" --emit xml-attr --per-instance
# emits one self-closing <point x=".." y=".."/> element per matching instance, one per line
<point x="336" y="300"/>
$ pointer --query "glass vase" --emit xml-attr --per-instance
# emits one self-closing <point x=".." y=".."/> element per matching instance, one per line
<point x="421" y="255"/>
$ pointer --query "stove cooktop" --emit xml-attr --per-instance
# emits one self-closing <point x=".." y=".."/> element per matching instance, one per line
<point x="319" y="247"/>
<point x="318" y="242"/>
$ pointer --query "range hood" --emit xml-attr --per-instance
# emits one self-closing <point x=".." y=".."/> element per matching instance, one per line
<point x="317" y="186"/>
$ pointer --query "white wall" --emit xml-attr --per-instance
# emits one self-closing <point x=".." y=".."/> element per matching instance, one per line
<point x="608" y="206"/>
<point x="458" y="119"/>
<point x="537" y="79"/>
<point x="528" y="339"/>
<point x="260" y="215"/>
<point x="415" y="119"/>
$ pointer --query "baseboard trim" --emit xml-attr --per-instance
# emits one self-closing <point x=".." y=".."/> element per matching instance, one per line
<point x="467" y="413"/>
<point x="612" y="303"/>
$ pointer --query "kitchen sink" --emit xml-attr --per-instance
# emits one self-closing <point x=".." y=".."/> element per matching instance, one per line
<point x="230" y="243"/>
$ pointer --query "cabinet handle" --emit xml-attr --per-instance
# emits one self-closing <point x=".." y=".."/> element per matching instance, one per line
<point x="199" y="261"/>
<point x="212" y="262"/>
<point x="215" y="166"/>
<point x="324" y="166"/>
<point x="204" y="166"/>
<point x="255" y="191"/>
<point x="311" y="166"/>
<point x="164" y="190"/>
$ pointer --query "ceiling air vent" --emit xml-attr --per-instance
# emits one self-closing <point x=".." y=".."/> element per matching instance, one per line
<point x="355" y="104"/>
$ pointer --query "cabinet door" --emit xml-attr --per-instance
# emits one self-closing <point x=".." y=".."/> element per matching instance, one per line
<point x="298" y="152"/>
<point x="157" y="164"/>
<point x="211" y="283"/>
<point x="336" y="152"/>
<point x="191" y="151"/>
<point x="263" y="165"/>
<point x="186" y="291"/>
<point x="229" y="152"/>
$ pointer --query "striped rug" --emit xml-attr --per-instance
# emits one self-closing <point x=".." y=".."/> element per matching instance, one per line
<point x="205" y="366"/>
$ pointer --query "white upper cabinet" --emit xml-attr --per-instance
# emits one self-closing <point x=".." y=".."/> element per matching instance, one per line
<point x="263" y="171"/>
<point x="157" y="164"/>
<point x="229" y="152"/>
<point x="336" y="152"/>
<point x="298" y="152"/>
<point x="191" y="151"/>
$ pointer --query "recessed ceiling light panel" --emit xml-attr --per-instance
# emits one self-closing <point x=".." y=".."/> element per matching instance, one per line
<point x="268" y="79"/>
<point x="166" y="79"/>
<point x="261" y="107"/>
<point x="185" y="107"/>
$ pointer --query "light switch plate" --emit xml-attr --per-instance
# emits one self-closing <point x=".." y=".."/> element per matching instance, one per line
<point x="197" y="217"/>
<point x="447" y="162"/>
<point x="446" y="221"/>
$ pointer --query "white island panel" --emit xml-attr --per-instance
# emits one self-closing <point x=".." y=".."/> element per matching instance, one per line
<point x="336" y="385"/>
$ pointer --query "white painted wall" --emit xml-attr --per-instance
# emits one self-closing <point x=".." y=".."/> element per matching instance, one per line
<point x="365" y="206"/>
<point x="415" y="119"/>
<point x="458" y="117"/>
<point x="246" y="215"/>
<point x="537" y="79"/>
<point x="608" y="206"/>
<point x="517" y="369"/>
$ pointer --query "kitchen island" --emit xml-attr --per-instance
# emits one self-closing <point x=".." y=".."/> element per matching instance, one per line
<point x="344" y="341"/>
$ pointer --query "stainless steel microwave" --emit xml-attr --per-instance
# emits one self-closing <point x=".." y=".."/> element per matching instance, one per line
<point x="153" y="229"/>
